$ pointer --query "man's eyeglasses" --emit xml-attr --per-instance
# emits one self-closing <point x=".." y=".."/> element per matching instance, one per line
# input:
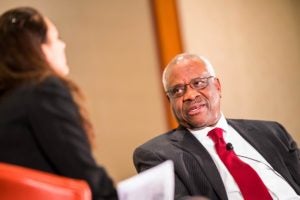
<point x="196" y="83"/>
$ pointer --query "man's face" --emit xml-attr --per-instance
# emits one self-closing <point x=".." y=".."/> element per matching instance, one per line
<point x="196" y="108"/>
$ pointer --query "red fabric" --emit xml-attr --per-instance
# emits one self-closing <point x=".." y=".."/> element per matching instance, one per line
<point x="250" y="184"/>
<point x="21" y="183"/>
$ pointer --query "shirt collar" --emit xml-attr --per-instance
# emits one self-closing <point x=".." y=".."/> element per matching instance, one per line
<point x="222" y="123"/>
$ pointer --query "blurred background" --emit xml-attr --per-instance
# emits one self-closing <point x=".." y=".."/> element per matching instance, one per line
<point x="116" y="54"/>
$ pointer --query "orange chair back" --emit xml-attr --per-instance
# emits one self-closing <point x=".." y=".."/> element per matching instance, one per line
<point x="20" y="183"/>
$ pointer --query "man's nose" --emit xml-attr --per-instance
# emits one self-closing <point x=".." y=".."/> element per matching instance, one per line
<point x="190" y="93"/>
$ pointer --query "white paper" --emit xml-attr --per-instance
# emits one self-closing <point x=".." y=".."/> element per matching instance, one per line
<point x="156" y="183"/>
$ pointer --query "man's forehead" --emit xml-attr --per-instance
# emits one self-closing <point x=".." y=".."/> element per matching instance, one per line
<point x="188" y="66"/>
<point x="182" y="73"/>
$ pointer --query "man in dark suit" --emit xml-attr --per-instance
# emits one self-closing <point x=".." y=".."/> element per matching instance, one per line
<point x="194" y="93"/>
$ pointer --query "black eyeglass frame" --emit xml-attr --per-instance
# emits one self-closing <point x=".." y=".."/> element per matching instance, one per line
<point x="204" y="80"/>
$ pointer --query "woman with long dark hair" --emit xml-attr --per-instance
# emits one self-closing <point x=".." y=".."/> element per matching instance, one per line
<point x="43" y="124"/>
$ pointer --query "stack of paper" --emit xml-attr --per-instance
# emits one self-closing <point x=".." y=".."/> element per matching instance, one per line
<point x="156" y="183"/>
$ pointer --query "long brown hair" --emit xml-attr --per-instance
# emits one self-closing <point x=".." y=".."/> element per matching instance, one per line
<point x="22" y="32"/>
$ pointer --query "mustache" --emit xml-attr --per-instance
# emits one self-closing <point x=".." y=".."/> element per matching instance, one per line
<point x="197" y="100"/>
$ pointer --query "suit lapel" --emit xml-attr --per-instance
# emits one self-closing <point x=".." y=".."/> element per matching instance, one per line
<point x="183" y="139"/>
<point x="254" y="137"/>
<point x="262" y="143"/>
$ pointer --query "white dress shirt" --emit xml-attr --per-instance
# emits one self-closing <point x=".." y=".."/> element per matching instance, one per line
<point x="276" y="184"/>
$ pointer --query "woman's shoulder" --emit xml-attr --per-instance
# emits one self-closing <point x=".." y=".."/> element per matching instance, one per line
<point x="34" y="92"/>
<point x="51" y="85"/>
<point x="51" y="82"/>
<point x="52" y="95"/>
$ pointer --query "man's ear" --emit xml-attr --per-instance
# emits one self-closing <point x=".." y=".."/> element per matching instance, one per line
<point x="218" y="85"/>
<point x="168" y="98"/>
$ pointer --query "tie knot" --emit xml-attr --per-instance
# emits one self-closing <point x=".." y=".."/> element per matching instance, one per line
<point x="216" y="134"/>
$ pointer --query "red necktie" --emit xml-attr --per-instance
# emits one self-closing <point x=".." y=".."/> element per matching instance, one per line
<point x="250" y="184"/>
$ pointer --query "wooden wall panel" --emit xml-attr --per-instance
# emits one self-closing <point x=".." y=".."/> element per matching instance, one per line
<point x="168" y="39"/>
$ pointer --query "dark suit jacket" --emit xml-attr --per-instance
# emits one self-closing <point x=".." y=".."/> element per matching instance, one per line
<point x="195" y="171"/>
<point x="40" y="128"/>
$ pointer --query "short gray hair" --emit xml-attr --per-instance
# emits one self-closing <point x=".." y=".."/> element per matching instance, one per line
<point x="187" y="56"/>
